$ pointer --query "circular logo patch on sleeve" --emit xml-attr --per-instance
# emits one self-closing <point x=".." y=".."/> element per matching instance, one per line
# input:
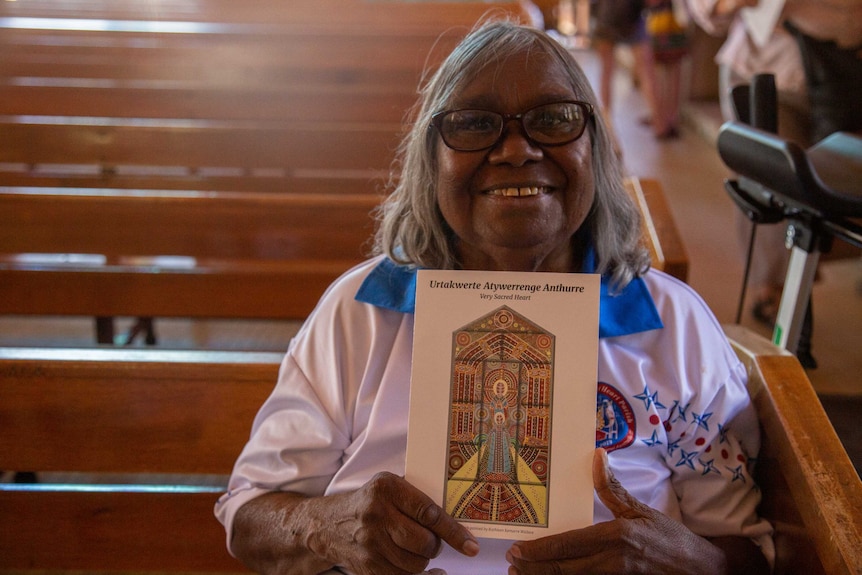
<point x="615" y="420"/>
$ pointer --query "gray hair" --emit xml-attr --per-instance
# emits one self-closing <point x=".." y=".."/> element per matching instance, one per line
<point x="411" y="229"/>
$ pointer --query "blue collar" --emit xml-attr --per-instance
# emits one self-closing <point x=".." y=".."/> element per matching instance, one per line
<point x="393" y="287"/>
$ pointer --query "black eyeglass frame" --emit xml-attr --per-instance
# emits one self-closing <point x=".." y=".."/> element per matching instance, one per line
<point x="437" y="121"/>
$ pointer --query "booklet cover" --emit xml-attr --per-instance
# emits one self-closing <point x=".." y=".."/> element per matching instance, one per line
<point x="503" y="399"/>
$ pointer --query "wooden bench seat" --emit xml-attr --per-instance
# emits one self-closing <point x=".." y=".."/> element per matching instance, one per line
<point x="77" y="414"/>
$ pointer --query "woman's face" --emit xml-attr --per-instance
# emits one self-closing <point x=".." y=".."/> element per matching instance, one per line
<point x="528" y="231"/>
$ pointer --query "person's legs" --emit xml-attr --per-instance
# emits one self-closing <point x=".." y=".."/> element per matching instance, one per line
<point x="670" y="98"/>
<point x="605" y="51"/>
<point x="646" y="72"/>
<point x="668" y="89"/>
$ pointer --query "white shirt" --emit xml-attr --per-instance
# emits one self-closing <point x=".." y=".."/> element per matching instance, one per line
<point x="780" y="55"/>
<point x="686" y="430"/>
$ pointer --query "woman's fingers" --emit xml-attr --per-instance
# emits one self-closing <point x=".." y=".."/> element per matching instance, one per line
<point x="611" y="492"/>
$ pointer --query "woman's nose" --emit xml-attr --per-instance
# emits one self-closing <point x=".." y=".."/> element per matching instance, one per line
<point x="514" y="147"/>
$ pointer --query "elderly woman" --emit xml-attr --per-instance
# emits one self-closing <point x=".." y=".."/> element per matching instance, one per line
<point x="507" y="167"/>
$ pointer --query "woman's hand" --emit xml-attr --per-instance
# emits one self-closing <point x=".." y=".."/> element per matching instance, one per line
<point x="386" y="527"/>
<point x="639" y="540"/>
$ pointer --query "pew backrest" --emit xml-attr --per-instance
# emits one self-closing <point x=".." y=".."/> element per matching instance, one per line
<point x="198" y="89"/>
<point x="146" y="253"/>
<point x="131" y="447"/>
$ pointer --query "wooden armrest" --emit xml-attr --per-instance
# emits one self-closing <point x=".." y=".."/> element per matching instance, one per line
<point x="811" y="491"/>
<point x="660" y="234"/>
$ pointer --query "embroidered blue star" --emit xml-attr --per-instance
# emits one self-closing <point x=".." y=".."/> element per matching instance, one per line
<point x="649" y="400"/>
<point x="654" y="440"/>
<point x="737" y="473"/>
<point x="683" y="410"/>
<point x="702" y="419"/>
<point x="686" y="458"/>
<point x="722" y="433"/>
<point x="708" y="467"/>
<point x="672" y="446"/>
<point x="680" y="410"/>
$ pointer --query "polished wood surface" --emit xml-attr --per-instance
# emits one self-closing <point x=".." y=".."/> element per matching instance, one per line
<point x="111" y="531"/>
<point x="156" y="421"/>
<point x="109" y="143"/>
<point x="219" y="226"/>
<point x="177" y="118"/>
<point x="137" y="253"/>
<point x="130" y="411"/>
<point x="286" y="87"/>
<point x="660" y="233"/>
<point x="354" y="16"/>
<point x="811" y="491"/>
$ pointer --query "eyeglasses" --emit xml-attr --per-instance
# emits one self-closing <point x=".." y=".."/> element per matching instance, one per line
<point x="552" y="124"/>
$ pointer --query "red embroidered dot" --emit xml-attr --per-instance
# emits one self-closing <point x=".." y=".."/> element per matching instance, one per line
<point x="740" y="458"/>
<point x="708" y="449"/>
<point x="654" y="419"/>
<point x="667" y="426"/>
<point x="724" y="453"/>
<point x="700" y="441"/>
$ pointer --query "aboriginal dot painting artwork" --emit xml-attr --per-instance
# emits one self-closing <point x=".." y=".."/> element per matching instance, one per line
<point x="500" y="420"/>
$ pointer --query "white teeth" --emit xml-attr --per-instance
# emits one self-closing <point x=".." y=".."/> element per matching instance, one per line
<point x="519" y="192"/>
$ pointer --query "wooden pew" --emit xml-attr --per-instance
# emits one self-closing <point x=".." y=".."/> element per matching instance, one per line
<point x="173" y="422"/>
<point x="197" y="145"/>
<point x="229" y="56"/>
<point x="208" y="104"/>
<point x="811" y="491"/>
<point x="661" y="236"/>
<point x="130" y="99"/>
<point x="197" y="89"/>
<point x="146" y="253"/>
<point x="346" y="15"/>
<point x="139" y="444"/>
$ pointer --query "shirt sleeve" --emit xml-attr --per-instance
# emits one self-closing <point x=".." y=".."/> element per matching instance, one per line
<point x="713" y="433"/>
<point x="295" y="445"/>
<point x="713" y="447"/>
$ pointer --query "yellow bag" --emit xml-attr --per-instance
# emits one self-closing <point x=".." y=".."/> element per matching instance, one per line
<point x="662" y="22"/>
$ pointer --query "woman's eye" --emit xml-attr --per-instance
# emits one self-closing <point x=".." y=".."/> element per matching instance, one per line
<point x="474" y="123"/>
<point x="554" y="118"/>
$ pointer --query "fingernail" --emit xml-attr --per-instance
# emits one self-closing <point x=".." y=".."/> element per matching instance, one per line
<point x="470" y="548"/>
<point x="514" y="552"/>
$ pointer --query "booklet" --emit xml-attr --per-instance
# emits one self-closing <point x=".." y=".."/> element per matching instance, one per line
<point x="503" y="399"/>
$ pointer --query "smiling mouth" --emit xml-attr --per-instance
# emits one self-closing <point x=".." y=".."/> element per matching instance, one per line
<point x="517" y="192"/>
